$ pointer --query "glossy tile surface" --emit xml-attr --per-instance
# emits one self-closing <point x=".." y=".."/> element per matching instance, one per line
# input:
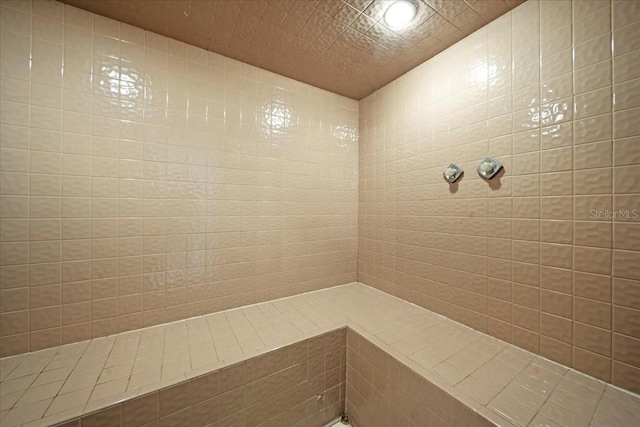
<point x="546" y="255"/>
<point x="277" y="388"/>
<point x="144" y="180"/>
<point x="339" y="45"/>
<point x="452" y="357"/>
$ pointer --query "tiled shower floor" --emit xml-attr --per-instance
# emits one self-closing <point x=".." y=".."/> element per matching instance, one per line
<point x="502" y="382"/>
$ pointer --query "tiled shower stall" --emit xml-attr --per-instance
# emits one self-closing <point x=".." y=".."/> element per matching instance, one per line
<point x="145" y="181"/>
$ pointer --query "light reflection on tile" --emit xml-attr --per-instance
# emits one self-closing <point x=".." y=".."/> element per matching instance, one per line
<point x="162" y="181"/>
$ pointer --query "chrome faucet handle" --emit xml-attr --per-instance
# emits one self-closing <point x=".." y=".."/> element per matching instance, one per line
<point x="452" y="173"/>
<point x="489" y="167"/>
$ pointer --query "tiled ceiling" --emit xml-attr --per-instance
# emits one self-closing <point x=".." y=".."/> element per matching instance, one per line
<point x="339" y="45"/>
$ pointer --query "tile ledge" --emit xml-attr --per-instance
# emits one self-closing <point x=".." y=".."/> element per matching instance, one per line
<point x="355" y="321"/>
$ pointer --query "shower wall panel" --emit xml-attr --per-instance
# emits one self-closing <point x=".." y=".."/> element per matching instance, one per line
<point x="144" y="180"/>
<point x="547" y="254"/>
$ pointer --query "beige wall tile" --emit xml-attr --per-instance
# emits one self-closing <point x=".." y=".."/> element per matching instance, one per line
<point x="176" y="220"/>
<point x="626" y="320"/>
<point x="592" y="312"/>
<point x="192" y="178"/>
<point x="564" y="176"/>
<point x="591" y="338"/>
<point x="592" y="364"/>
<point x="556" y="303"/>
<point x="624" y="375"/>
<point x="626" y="292"/>
<point x="625" y="349"/>
<point x="593" y="286"/>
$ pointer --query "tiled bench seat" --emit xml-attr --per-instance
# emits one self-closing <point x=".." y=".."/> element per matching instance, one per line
<point x="501" y="383"/>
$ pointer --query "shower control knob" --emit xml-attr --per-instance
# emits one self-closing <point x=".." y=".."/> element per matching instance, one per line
<point x="452" y="173"/>
<point x="487" y="167"/>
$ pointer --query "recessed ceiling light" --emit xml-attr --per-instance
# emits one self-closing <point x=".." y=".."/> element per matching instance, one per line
<point x="399" y="14"/>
